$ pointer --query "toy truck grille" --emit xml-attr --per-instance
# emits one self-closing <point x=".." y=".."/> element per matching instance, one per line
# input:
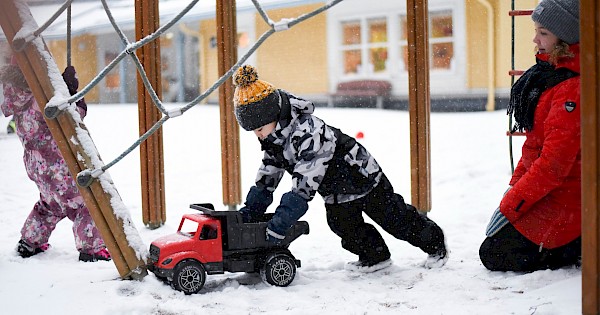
<point x="154" y="253"/>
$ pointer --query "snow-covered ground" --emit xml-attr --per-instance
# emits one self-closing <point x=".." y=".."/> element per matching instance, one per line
<point x="470" y="170"/>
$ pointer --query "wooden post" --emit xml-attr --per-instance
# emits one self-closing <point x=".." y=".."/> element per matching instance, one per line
<point x="230" y="142"/>
<point x="36" y="63"/>
<point x="590" y="155"/>
<point x="419" y="103"/>
<point x="147" y="21"/>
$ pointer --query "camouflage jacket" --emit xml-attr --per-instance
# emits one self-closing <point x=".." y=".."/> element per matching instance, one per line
<point x="319" y="157"/>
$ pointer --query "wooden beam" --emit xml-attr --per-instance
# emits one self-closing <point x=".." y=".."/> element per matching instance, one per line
<point x="147" y="21"/>
<point x="419" y="103"/>
<point x="36" y="63"/>
<point x="590" y="155"/>
<point x="230" y="143"/>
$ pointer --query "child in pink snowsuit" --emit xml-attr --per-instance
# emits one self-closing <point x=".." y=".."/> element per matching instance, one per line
<point x="59" y="196"/>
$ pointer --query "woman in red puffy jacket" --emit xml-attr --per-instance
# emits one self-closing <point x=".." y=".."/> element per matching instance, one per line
<point x="538" y="223"/>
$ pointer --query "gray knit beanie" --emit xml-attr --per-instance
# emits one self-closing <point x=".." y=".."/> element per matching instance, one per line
<point x="561" y="17"/>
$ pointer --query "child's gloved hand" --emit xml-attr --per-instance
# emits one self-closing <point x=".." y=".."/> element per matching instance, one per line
<point x="257" y="202"/>
<point x="290" y="209"/>
<point x="70" y="77"/>
<point x="497" y="222"/>
<point x="274" y="237"/>
<point x="247" y="215"/>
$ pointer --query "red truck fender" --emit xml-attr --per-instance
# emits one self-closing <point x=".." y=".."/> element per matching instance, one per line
<point x="171" y="261"/>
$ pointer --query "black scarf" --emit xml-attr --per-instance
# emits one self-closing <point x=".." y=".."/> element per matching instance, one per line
<point x="526" y="92"/>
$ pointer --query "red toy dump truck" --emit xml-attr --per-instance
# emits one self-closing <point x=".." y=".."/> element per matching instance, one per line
<point x="215" y="242"/>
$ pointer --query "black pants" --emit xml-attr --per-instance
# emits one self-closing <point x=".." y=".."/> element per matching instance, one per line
<point x="390" y="212"/>
<point x="509" y="250"/>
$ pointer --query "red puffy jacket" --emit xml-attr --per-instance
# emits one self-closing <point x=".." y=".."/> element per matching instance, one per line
<point x="544" y="203"/>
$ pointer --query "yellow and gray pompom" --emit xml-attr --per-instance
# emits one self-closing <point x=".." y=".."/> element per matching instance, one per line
<point x="245" y="76"/>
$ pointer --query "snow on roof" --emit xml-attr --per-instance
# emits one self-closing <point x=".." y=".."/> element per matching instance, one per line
<point x="90" y="17"/>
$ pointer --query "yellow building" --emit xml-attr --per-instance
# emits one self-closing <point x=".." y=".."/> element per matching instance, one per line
<point x="470" y="48"/>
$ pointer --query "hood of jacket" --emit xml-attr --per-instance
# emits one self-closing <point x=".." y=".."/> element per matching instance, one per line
<point x="12" y="74"/>
<point x="293" y="109"/>
<point x="571" y="63"/>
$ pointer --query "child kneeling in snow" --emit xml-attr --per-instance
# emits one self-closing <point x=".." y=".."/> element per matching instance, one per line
<point x="59" y="196"/>
<point x="323" y="159"/>
<point x="538" y="223"/>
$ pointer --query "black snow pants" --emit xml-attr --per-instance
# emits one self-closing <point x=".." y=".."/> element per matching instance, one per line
<point x="509" y="250"/>
<point x="390" y="212"/>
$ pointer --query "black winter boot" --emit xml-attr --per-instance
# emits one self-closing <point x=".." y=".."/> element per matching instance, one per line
<point x="433" y="236"/>
<point x="370" y="263"/>
<point x="428" y="236"/>
<point x="373" y="253"/>
<point x="25" y="250"/>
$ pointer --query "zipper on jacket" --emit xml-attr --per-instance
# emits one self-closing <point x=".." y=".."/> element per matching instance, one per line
<point x="519" y="205"/>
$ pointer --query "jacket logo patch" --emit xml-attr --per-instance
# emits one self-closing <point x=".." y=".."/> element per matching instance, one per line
<point x="570" y="106"/>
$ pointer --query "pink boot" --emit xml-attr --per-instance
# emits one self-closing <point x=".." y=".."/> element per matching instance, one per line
<point x="102" y="254"/>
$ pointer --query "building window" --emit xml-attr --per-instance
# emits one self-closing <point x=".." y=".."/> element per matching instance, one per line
<point x="113" y="80"/>
<point x="441" y="40"/>
<point x="376" y="46"/>
<point x="378" y="52"/>
<point x="370" y="49"/>
<point x="403" y="43"/>
<point x="351" y="47"/>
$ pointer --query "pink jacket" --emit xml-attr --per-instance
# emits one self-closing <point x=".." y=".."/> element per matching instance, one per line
<point x="43" y="160"/>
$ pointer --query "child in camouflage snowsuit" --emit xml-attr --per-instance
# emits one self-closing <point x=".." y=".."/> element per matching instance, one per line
<point x="59" y="196"/>
<point x="323" y="159"/>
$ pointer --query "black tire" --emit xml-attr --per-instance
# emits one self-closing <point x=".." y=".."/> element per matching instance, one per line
<point x="279" y="270"/>
<point x="188" y="277"/>
<point x="163" y="279"/>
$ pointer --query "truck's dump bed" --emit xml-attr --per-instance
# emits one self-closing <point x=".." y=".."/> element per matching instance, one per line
<point x="238" y="235"/>
<point x="253" y="235"/>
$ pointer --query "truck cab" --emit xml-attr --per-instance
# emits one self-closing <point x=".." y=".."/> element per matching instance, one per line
<point x="197" y="237"/>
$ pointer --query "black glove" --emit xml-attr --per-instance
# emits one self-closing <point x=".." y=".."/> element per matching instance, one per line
<point x="257" y="202"/>
<point x="70" y="78"/>
<point x="290" y="209"/>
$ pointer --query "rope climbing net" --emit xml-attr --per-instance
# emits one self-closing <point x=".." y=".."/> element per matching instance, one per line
<point x="57" y="106"/>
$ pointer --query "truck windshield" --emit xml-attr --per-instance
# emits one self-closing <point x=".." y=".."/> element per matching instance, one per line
<point x="188" y="227"/>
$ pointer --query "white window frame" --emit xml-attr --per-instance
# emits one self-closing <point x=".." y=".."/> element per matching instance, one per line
<point x="364" y="46"/>
<point x="442" y="81"/>
<point x="432" y="41"/>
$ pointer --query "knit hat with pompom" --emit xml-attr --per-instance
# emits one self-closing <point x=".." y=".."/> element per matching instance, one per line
<point x="256" y="101"/>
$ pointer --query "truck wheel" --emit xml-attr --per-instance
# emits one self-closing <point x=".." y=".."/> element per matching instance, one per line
<point x="188" y="277"/>
<point x="163" y="279"/>
<point x="279" y="270"/>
